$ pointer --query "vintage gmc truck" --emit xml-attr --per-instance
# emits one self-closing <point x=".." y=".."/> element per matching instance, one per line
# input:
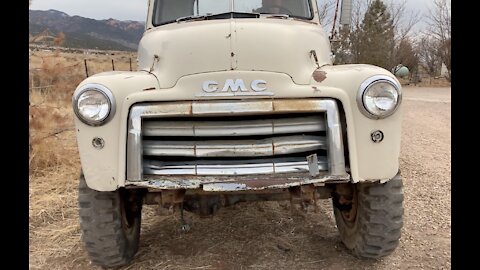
<point x="236" y="101"/>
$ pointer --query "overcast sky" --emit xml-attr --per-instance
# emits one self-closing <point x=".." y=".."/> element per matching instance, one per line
<point x="137" y="9"/>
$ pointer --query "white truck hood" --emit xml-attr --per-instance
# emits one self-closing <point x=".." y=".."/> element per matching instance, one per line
<point x="264" y="44"/>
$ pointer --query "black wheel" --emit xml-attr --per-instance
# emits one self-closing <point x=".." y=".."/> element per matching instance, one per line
<point x="110" y="224"/>
<point x="369" y="217"/>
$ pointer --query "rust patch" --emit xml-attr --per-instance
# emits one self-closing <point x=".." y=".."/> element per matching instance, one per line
<point x="319" y="75"/>
<point x="304" y="195"/>
<point x="296" y="105"/>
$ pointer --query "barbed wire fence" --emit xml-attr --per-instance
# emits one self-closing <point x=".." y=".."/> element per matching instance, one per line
<point x="41" y="77"/>
<point x="51" y="83"/>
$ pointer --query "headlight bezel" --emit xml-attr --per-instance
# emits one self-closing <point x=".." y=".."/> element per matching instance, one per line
<point x="102" y="90"/>
<point x="366" y="84"/>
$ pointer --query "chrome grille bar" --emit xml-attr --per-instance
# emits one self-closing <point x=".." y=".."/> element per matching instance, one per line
<point x="234" y="167"/>
<point x="233" y="128"/>
<point x="234" y="148"/>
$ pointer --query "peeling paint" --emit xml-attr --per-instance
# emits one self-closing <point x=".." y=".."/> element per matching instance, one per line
<point x="319" y="75"/>
<point x="224" y="187"/>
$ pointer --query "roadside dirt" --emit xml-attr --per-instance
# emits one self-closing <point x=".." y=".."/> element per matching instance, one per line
<point x="266" y="235"/>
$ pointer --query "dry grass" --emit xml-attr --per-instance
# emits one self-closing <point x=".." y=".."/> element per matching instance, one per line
<point x="54" y="163"/>
<point x="53" y="78"/>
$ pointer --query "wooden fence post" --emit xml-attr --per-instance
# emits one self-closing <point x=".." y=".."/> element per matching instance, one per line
<point x="86" y="68"/>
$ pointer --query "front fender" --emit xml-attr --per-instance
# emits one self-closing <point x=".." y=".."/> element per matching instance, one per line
<point x="369" y="161"/>
<point x="100" y="167"/>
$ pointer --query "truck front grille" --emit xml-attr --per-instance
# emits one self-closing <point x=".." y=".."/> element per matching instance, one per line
<point x="241" y="145"/>
<point x="232" y="138"/>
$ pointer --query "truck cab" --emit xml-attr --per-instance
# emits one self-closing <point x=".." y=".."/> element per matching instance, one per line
<point x="237" y="101"/>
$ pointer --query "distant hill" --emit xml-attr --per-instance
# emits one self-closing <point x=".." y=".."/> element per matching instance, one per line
<point x="87" y="33"/>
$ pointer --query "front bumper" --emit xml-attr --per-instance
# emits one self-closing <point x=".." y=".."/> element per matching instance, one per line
<point x="239" y="183"/>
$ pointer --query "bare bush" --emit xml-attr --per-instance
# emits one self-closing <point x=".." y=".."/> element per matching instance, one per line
<point x="428" y="55"/>
<point x="440" y="29"/>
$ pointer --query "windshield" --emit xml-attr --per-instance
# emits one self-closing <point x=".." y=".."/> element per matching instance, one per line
<point x="167" y="11"/>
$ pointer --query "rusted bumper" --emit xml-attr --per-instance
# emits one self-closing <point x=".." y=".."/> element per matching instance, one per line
<point x="238" y="183"/>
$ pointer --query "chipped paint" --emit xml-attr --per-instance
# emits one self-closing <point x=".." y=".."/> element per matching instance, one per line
<point x="319" y="75"/>
<point x="224" y="187"/>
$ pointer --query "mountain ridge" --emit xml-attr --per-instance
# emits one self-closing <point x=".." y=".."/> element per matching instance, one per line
<point x="86" y="33"/>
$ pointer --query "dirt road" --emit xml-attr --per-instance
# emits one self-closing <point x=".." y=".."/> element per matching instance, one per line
<point x="267" y="235"/>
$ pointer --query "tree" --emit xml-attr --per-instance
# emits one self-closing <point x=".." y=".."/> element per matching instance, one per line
<point x="440" y="29"/>
<point x="342" y="46"/>
<point x="324" y="10"/>
<point x="428" y="55"/>
<point x="406" y="55"/>
<point x="375" y="37"/>
<point x="349" y="45"/>
<point x="403" y="20"/>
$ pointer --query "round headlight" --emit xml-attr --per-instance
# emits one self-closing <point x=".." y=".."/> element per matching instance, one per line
<point x="379" y="97"/>
<point x="93" y="104"/>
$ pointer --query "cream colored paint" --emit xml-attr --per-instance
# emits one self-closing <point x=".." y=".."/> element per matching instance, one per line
<point x="100" y="167"/>
<point x="368" y="161"/>
<point x="255" y="44"/>
<point x="264" y="44"/>
<point x="274" y="50"/>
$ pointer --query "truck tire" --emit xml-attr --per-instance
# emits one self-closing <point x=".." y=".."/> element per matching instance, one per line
<point x="370" y="221"/>
<point x="110" y="224"/>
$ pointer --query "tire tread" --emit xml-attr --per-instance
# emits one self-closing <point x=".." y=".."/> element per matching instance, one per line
<point x="100" y="222"/>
